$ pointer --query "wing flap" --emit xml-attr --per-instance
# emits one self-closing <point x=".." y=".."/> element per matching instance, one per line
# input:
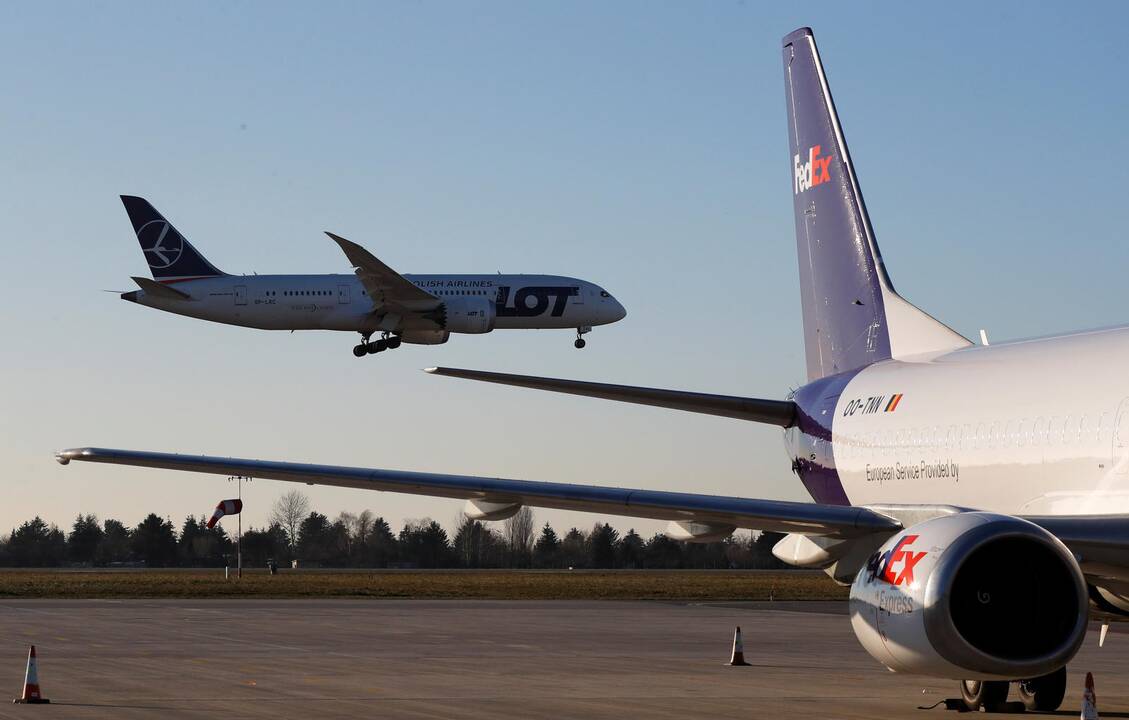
<point x="774" y="515"/>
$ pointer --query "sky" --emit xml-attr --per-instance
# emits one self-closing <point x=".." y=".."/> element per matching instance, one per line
<point x="639" y="145"/>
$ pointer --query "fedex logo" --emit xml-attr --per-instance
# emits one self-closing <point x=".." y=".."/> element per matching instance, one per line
<point x="816" y="171"/>
<point x="895" y="566"/>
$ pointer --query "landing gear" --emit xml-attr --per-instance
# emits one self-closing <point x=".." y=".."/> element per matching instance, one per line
<point x="985" y="694"/>
<point x="579" y="344"/>
<point x="388" y="341"/>
<point x="362" y="349"/>
<point x="1044" y="693"/>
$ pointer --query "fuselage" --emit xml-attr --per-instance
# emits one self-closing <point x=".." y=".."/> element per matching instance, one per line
<point x="340" y="302"/>
<point x="1035" y="427"/>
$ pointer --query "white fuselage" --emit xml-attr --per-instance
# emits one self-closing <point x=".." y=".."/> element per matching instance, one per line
<point x="340" y="302"/>
<point x="1033" y="427"/>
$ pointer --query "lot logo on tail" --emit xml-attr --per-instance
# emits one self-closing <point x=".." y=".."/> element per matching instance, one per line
<point x="153" y="235"/>
<point x="816" y="171"/>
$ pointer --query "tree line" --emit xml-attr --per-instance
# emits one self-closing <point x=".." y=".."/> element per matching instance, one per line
<point x="295" y="532"/>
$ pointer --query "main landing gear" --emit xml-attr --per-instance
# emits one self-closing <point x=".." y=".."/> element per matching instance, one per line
<point x="1043" y="694"/>
<point x="579" y="344"/>
<point x="387" y="341"/>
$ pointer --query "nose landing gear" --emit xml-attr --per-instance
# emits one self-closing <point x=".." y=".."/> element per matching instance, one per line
<point x="579" y="344"/>
<point x="387" y="341"/>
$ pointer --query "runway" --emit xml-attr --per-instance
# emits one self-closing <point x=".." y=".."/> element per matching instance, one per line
<point x="469" y="659"/>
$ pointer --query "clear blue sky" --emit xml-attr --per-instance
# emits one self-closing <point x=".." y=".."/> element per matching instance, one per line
<point x="639" y="145"/>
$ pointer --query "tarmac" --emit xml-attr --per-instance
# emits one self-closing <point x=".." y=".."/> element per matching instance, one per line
<point x="471" y="659"/>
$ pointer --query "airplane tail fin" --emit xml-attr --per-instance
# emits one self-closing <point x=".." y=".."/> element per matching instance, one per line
<point x="852" y="315"/>
<point x="169" y="254"/>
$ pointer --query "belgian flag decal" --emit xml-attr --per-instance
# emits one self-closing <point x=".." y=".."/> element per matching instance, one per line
<point x="893" y="404"/>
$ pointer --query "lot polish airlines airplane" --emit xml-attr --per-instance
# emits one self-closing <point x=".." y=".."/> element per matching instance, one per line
<point x="419" y="309"/>
<point x="977" y="537"/>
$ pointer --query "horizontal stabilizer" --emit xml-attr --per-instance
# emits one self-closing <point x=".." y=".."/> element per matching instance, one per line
<point x="772" y="412"/>
<point x="775" y="515"/>
<point x="152" y="287"/>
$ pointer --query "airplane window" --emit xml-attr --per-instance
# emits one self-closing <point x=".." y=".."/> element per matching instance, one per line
<point x="604" y="293"/>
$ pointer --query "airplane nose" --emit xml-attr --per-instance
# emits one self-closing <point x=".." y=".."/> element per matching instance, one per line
<point x="618" y="311"/>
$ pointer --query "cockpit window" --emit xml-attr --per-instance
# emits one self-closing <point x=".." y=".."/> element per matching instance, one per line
<point x="604" y="293"/>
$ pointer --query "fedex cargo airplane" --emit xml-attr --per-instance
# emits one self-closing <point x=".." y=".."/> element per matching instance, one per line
<point x="419" y="309"/>
<point x="977" y="538"/>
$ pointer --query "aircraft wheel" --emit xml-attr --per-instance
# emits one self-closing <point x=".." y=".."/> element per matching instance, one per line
<point x="579" y="344"/>
<point x="983" y="694"/>
<point x="378" y="346"/>
<point x="394" y="342"/>
<point x="1044" y="693"/>
<point x="360" y="350"/>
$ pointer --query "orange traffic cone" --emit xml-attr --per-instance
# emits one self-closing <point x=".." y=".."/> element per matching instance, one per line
<point x="738" y="657"/>
<point x="1089" y="700"/>
<point x="31" y="695"/>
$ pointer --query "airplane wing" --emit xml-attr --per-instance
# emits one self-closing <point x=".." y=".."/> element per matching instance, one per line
<point x="780" y="516"/>
<point x="772" y="412"/>
<point x="385" y="286"/>
<point x="1100" y="542"/>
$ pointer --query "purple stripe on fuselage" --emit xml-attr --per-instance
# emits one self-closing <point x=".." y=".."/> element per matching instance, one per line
<point x="810" y="439"/>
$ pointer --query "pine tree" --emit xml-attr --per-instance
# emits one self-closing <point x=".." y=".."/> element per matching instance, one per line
<point x="547" y="550"/>
<point x="83" y="541"/>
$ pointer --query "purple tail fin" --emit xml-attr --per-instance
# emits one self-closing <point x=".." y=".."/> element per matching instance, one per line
<point x="852" y="316"/>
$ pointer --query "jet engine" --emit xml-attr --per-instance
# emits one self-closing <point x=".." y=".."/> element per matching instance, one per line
<point x="971" y="596"/>
<point x="467" y="314"/>
<point x="425" y="337"/>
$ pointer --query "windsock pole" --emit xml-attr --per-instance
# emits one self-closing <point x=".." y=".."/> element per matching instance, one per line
<point x="32" y="694"/>
<point x="738" y="657"/>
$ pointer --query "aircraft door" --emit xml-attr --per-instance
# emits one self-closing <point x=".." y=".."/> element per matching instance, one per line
<point x="240" y="294"/>
<point x="342" y="294"/>
<point x="1121" y="439"/>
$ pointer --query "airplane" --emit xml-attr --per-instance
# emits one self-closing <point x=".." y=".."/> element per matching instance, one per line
<point x="416" y="309"/>
<point x="975" y="498"/>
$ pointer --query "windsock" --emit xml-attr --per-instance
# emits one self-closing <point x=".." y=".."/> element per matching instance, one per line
<point x="225" y="507"/>
<point x="1089" y="700"/>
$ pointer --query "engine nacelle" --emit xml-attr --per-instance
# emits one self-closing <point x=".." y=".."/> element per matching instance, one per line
<point x="425" y="337"/>
<point x="467" y="314"/>
<point x="485" y="510"/>
<point x="698" y="532"/>
<point x="972" y="596"/>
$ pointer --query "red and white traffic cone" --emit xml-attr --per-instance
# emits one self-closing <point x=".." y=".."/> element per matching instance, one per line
<point x="32" y="694"/>
<point x="738" y="657"/>
<point x="1089" y="700"/>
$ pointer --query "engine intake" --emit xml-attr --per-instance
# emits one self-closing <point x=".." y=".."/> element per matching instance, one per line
<point x="971" y="596"/>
